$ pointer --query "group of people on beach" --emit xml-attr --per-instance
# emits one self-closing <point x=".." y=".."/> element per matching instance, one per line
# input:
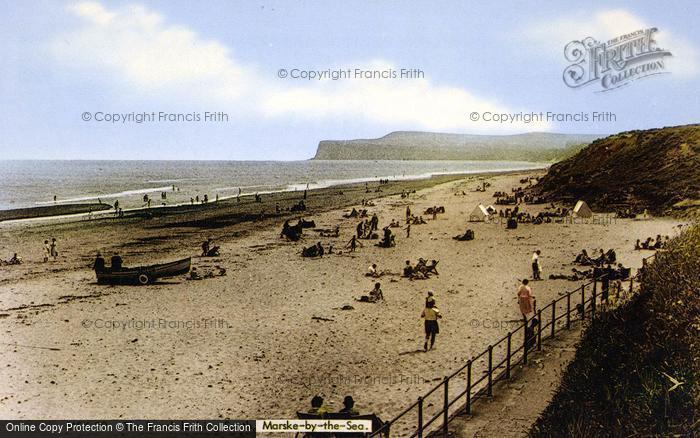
<point x="652" y="244"/>
<point x="421" y="271"/>
<point x="116" y="263"/>
<point x="50" y="250"/>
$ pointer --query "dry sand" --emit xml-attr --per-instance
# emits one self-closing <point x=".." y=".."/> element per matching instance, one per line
<point x="262" y="353"/>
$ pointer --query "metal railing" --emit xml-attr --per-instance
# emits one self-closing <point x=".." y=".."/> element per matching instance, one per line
<point x="475" y="379"/>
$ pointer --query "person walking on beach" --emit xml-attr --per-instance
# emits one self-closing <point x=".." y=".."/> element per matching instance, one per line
<point x="408" y="213"/>
<point x="526" y="301"/>
<point x="47" y="251"/>
<point x="353" y="244"/>
<point x="431" y="314"/>
<point x="536" y="267"/>
<point x="53" y="248"/>
<point x="408" y="230"/>
<point x="360" y="229"/>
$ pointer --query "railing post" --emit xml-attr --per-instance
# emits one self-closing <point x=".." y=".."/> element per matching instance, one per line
<point x="490" y="391"/>
<point x="539" y="330"/>
<point x="583" y="301"/>
<point x="445" y="409"/>
<point x="593" y="298"/>
<point x="508" y="355"/>
<point x="554" y="316"/>
<point x="469" y="387"/>
<point x="568" y="310"/>
<point x="420" y="417"/>
<point x="525" y="343"/>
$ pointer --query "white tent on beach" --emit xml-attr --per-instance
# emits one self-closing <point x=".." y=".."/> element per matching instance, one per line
<point x="582" y="210"/>
<point x="479" y="214"/>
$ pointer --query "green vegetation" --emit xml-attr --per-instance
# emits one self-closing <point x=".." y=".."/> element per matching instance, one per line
<point x="656" y="169"/>
<point x="618" y="383"/>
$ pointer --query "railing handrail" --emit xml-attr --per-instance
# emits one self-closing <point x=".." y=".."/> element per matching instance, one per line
<point x="509" y="358"/>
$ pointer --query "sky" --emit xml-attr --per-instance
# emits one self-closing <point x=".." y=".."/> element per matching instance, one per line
<point x="67" y="66"/>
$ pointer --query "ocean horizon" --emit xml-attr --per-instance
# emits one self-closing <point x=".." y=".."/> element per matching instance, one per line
<point x="34" y="183"/>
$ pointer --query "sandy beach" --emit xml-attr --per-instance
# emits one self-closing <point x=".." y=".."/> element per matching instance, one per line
<point x="262" y="340"/>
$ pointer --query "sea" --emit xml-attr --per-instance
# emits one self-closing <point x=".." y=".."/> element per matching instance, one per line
<point x="32" y="183"/>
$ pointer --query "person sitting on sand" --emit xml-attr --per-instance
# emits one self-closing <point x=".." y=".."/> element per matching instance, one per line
<point x="194" y="275"/>
<point x="349" y="406"/>
<point x="319" y="249"/>
<point x="582" y="258"/>
<point x="430" y="314"/>
<point x="205" y="247"/>
<point x="408" y="269"/>
<point x="372" y="271"/>
<point x="15" y="260"/>
<point x="116" y="262"/>
<point x="99" y="265"/>
<point x="374" y="295"/>
<point x="659" y="242"/>
<point x="317" y="406"/>
<point x="526" y="300"/>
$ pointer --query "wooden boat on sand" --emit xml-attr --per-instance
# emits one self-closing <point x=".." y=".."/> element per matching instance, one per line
<point x="144" y="274"/>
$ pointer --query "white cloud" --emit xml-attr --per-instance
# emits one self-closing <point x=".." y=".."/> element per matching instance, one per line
<point x="607" y="24"/>
<point x="414" y="103"/>
<point x="145" y="53"/>
<point x="140" y="50"/>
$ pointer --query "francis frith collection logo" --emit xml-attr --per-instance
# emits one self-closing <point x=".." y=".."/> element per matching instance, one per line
<point x="614" y="63"/>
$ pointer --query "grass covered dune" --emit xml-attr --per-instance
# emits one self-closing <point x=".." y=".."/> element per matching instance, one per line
<point x="619" y="383"/>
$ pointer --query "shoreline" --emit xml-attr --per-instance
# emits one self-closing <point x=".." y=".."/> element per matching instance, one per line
<point x="36" y="214"/>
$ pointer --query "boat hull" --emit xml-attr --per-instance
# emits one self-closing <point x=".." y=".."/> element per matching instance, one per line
<point x="144" y="274"/>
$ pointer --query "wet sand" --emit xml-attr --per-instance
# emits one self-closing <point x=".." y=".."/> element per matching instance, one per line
<point x="262" y="340"/>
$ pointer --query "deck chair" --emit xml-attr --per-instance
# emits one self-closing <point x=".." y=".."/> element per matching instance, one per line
<point x="432" y="267"/>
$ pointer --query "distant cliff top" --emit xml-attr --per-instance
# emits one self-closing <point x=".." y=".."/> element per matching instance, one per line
<point x="411" y="145"/>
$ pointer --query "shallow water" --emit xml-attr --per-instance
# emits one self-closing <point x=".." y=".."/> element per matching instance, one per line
<point x="29" y="183"/>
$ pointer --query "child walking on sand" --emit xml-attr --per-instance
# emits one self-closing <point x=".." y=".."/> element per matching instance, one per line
<point x="47" y="251"/>
<point x="53" y="248"/>
<point x="431" y="314"/>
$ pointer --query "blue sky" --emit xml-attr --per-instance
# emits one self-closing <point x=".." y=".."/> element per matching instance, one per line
<point x="61" y="59"/>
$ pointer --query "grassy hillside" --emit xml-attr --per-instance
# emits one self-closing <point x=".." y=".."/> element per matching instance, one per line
<point x="405" y="145"/>
<point x="658" y="169"/>
<point x="617" y="384"/>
